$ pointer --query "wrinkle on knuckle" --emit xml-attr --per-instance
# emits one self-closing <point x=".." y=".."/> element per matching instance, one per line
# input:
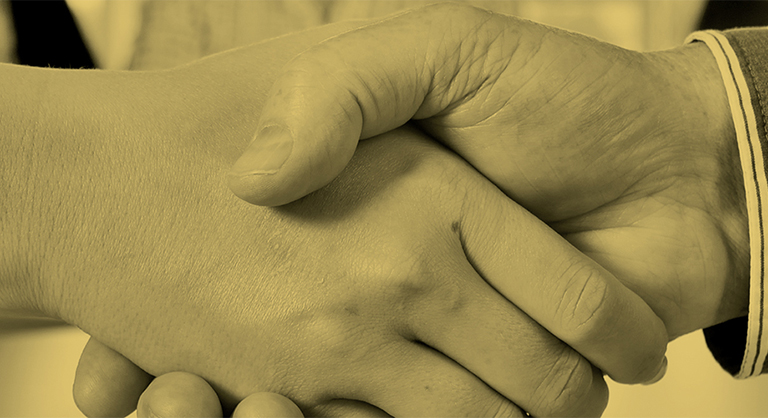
<point x="582" y="306"/>
<point x="456" y="50"/>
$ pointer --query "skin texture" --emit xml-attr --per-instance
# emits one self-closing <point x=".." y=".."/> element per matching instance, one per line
<point x="129" y="234"/>
<point x="395" y="284"/>
<point x="378" y="329"/>
<point x="630" y="156"/>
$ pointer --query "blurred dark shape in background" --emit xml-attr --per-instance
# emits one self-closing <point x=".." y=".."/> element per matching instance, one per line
<point x="47" y="35"/>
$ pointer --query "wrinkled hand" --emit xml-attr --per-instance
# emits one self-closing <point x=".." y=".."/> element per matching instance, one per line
<point x="629" y="155"/>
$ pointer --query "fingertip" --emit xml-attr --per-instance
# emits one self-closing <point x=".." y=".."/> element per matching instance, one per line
<point x="646" y="364"/>
<point x="267" y="404"/>
<point x="645" y="361"/>
<point x="303" y="173"/>
<point x="660" y="373"/>
<point x="179" y="394"/>
<point x="106" y="383"/>
<point x="267" y="153"/>
<point x="251" y="188"/>
<point x="652" y="364"/>
<point x="258" y="176"/>
<point x="295" y="155"/>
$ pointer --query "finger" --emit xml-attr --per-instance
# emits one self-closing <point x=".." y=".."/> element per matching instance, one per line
<point x="179" y="394"/>
<point x="106" y="383"/>
<point x="363" y="83"/>
<point x="568" y="293"/>
<point x="267" y="404"/>
<point x="474" y="325"/>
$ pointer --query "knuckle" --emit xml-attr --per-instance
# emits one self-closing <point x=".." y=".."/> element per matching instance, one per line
<point x="421" y="284"/>
<point x="582" y="309"/>
<point x="410" y="281"/>
<point x="339" y="338"/>
<point x="569" y="388"/>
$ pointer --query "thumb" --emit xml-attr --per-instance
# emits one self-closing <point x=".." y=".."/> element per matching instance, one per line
<point x="363" y="83"/>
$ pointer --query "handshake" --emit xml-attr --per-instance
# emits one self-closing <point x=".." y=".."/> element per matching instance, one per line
<point x="451" y="213"/>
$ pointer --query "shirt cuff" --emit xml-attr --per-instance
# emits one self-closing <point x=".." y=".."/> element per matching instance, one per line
<point x="756" y="188"/>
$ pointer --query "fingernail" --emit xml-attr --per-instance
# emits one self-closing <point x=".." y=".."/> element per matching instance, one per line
<point x="660" y="374"/>
<point x="266" y="154"/>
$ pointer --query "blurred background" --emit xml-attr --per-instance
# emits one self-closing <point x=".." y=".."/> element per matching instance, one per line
<point x="38" y="358"/>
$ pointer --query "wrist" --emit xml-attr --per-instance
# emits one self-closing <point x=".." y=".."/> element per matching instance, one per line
<point x="707" y="148"/>
<point x="62" y="124"/>
<point x="82" y="137"/>
<point x="727" y="199"/>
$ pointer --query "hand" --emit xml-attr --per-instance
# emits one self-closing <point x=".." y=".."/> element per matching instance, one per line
<point x="120" y="226"/>
<point x="358" y="326"/>
<point x="316" y="313"/>
<point x="630" y="156"/>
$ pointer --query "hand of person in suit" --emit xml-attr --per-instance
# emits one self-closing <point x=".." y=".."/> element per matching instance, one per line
<point x="630" y="156"/>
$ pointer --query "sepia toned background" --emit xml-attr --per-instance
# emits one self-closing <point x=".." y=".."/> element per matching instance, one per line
<point x="38" y="359"/>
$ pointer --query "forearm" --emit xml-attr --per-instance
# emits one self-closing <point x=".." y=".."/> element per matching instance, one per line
<point x="78" y="145"/>
<point x="26" y="109"/>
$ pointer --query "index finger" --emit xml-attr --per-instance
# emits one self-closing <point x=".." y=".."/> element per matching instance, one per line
<point x="565" y="291"/>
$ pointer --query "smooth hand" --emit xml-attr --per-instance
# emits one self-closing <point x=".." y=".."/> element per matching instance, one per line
<point x="371" y="295"/>
<point x="629" y="155"/>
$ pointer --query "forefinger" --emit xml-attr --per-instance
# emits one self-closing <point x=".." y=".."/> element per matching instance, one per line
<point x="562" y="289"/>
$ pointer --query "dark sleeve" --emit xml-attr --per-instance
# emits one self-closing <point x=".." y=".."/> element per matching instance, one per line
<point x="727" y="342"/>
<point x="732" y="341"/>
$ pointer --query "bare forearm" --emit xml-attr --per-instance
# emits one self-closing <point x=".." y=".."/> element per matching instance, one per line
<point x="76" y="144"/>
